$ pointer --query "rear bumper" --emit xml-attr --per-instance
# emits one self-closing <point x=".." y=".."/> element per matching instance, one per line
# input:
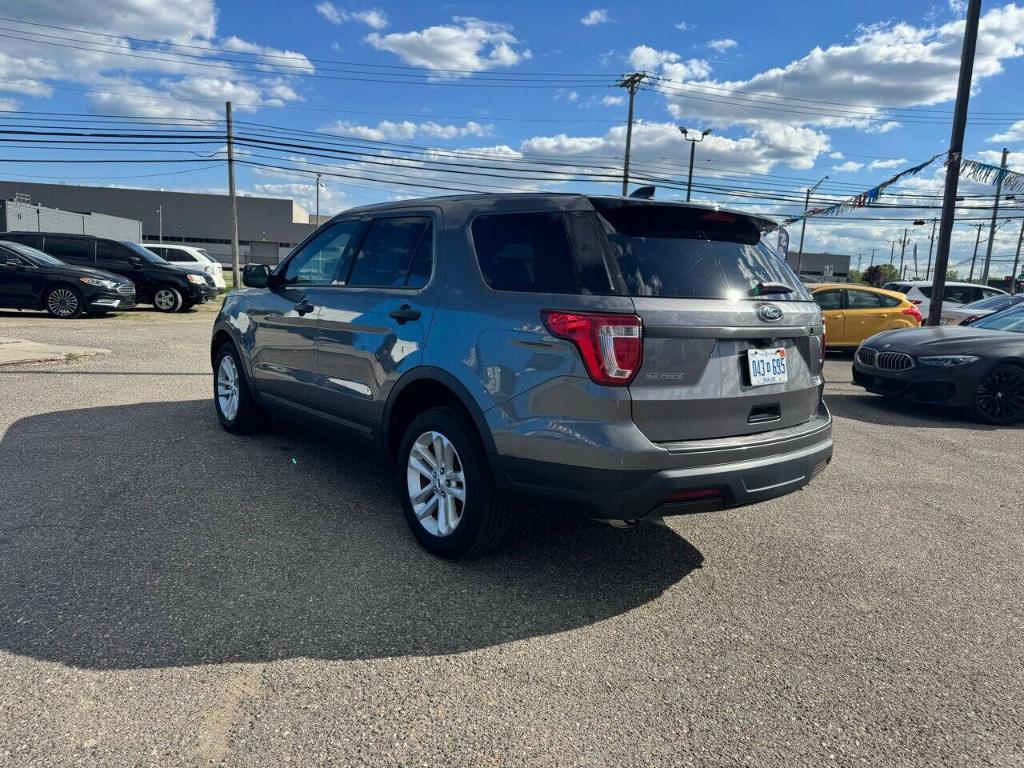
<point x="696" y="477"/>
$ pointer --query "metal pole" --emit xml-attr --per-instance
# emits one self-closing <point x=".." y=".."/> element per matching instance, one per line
<point x="318" y="199"/>
<point x="803" y="228"/>
<point x="931" y="244"/>
<point x="1016" y="260"/>
<point x="872" y="262"/>
<point x="992" y="226"/>
<point x="630" y="83"/>
<point x="235" y="267"/>
<point x="903" y="251"/>
<point x="974" y="258"/>
<point x="956" y="148"/>
<point x="915" y="261"/>
<point x="689" y="178"/>
<point x="892" y="251"/>
<point x="160" y="216"/>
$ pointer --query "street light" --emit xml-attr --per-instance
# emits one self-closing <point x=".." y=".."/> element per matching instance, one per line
<point x="803" y="225"/>
<point x="693" y="146"/>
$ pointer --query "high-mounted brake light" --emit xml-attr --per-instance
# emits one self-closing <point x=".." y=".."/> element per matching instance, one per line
<point x="611" y="345"/>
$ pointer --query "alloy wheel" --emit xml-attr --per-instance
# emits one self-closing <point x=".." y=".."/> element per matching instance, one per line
<point x="1000" y="396"/>
<point x="227" y="387"/>
<point x="164" y="299"/>
<point x="436" y="483"/>
<point x="62" y="302"/>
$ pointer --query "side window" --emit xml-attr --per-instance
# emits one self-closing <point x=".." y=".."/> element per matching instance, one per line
<point x="961" y="294"/>
<point x="173" y="254"/>
<point x="325" y="259"/>
<point x="30" y="239"/>
<point x="988" y="293"/>
<point x="889" y="301"/>
<point x="863" y="300"/>
<point x="74" y="250"/>
<point x="111" y="255"/>
<point x="422" y="263"/>
<point x="829" y="299"/>
<point x="525" y="252"/>
<point x="388" y="251"/>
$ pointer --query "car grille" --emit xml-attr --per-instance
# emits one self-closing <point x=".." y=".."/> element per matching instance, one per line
<point x="894" y="361"/>
<point x="866" y="355"/>
<point x="126" y="290"/>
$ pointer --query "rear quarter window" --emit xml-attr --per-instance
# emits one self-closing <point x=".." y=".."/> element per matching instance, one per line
<point x="525" y="252"/>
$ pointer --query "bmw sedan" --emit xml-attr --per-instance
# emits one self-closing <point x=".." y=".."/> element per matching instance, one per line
<point x="979" y="367"/>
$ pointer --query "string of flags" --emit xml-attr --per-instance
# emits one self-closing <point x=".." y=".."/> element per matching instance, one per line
<point x="865" y="199"/>
<point x="990" y="174"/>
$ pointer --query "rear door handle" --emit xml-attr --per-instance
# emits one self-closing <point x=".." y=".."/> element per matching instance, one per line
<point x="303" y="307"/>
<point x="404" y="313"/>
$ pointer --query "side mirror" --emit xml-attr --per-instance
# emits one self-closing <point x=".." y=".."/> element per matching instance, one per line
<point x="256" y="276"/>
<point x="135" y="261"/>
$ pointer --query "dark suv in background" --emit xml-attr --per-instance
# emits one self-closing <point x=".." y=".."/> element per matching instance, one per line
<point x="617" y="358"/>
<point x="158" y="282"/>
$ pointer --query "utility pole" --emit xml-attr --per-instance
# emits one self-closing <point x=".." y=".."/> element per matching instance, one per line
<point x="318" y="199"/>
<point x="992" y="226"/>
<point x="956" y="148"/>
<point x="1016" y="260"/>
<point x="803" y="226"/>
<point x="631" y="83"/>
<point x="872" y="262"/>
<point x="903" y="250"/>
<point x="860" y="259"/>
<point x="916" y="275"/>
<point x="892" y="251"/>
<point x="931" y="244"/>
<point x="160" y="216"/>
<point x="974" y="258"/>
<point x="235" y="268"/>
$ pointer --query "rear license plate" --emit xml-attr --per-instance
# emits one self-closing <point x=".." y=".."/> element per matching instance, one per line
<point x="767" y="366"/>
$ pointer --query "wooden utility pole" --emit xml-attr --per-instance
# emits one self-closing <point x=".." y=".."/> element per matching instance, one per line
<point x="992" y="226"/>
<point x="974" y="258"/>
<point x="235" y="267"/>
<point x="631" y="83"/>
<point x="1016" y="260"/>
<point x="903" y="250"/>
<point x="931" y="245"/>
<point x="956" y="148"/>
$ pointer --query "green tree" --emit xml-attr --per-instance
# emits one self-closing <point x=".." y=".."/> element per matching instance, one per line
<point x="879" y="274"/>
<point x="952" y="274"/>
<point x="855" y="276"/>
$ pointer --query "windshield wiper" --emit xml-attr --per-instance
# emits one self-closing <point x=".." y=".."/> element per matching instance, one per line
<point x="765" y="288"/>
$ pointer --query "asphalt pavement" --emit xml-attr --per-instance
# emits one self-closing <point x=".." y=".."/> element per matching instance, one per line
<point x="173" y="595"/>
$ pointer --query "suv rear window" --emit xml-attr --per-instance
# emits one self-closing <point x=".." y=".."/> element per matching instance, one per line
<point x="527" y="252"/>
<point x="693" y="253"/>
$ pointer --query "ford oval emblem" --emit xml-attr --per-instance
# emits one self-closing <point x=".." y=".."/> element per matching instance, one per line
<point x="770" y="313"/>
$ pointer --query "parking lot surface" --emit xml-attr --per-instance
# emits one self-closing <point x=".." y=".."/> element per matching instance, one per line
<point x="174" y="595"/>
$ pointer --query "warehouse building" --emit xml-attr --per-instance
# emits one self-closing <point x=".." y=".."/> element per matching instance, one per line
<point x="821" y="267"/>
<point x="268" y="228"/>
<point x="20" y="215"/>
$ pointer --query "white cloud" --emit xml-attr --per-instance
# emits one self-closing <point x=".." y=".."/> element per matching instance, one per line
<point x="682" y="26"/>
<point x="886" y="65"/>
<point x="613" y="101"/>
<point x="388" y="130"/>
<point x="721" y="45"/>
<point x="467" y="45"/>
<point x="896" y="162"/>
<point x="572" y="96"/>
<point x="671" y="64"/>
<point x="836" y="155"/>
<point x="269" y="57"/>
<point x="1014" y="133"/>
<point x="374" y="18"/>
<point x="850" y="166"/>
<point x="595" y="17"/>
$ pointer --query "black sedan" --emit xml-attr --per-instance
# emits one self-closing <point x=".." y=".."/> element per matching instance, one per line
<point x="31" y="279"/>
<point x="979" y="367"/>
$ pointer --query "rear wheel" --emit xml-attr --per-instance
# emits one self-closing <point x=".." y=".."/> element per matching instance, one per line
<point x="64" y="301"/>
<point x="167" y="298"/>
<point x="999" y="398"/>
<point x="448" y="495"/>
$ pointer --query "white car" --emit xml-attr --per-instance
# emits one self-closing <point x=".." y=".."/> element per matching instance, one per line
<point x="919" y="292"/>
<point x="961" y="313"/>
<point x="189" y="256"/>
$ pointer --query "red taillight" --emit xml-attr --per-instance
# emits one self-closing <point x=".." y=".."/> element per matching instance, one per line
<point x="612" y="346"/>
<point x="914" y="312"/>
<point x="969" y="320"/>
<point x="915" y="302"/>
<point x="699" y="493"/>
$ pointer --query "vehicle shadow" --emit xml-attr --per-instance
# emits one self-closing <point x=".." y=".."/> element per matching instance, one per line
<point x="144" y="536"/>
<point x="877" y="409"/>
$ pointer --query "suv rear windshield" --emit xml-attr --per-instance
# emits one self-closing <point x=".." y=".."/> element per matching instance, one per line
<point x="693" y="253"/>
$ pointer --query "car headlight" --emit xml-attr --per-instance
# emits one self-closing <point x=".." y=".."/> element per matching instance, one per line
<point x="197" y="279"/>
<point x="948" y="361"/>
<point x="98" y="281"/>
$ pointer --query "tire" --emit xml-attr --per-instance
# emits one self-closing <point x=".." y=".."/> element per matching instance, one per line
<point x="999" y="396"/>
<point x="167" y="298"/>
<point x="443" y="523"/>
<point x="64" y="301"/>
<point x="236" y="410"/>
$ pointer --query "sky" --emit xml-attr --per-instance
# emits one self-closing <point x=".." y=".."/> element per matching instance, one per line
<point x="450" y="96"/>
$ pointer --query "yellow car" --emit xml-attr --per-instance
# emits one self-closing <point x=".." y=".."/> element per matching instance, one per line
<point x="853" y="312"/>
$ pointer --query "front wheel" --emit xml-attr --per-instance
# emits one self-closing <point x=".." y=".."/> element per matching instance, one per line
<point x="448" y="495"/>
<point x="236" y="410"/>
<point x="999" y="398"/>
<point x="167" y="298"/>
<point x="64" y="302"/>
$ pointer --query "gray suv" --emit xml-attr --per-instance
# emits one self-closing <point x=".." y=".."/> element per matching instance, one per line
<point x="613" y="357"/>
